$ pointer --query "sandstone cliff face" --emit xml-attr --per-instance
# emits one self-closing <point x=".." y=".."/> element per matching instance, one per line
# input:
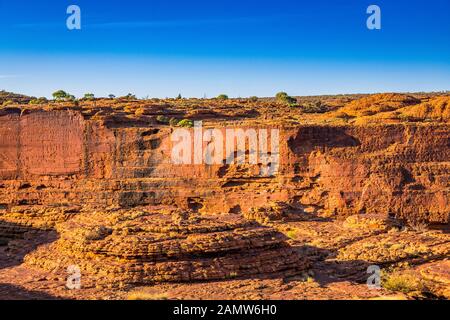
<point x="61" y="158"/>
<point x="400" y="170"/>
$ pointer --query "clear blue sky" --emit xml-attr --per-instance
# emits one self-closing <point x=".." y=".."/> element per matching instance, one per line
<point x="240" y="47"/>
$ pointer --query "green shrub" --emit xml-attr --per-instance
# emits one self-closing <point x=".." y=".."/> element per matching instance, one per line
<point x="186" y="123"/>
<point x="162" y="119"/>
<point x="253" y="99"/>
<point x="40" y="100"/>
<point x="292" y="234"/>
<point x="284" y="98"/>
<point x="405" y="283"/>
<point x="89" y="96"/>
<point x="60" y="95"/>
<point x="7" y="103"/>
<point x="314" y="107"/>
<point x="130" y="96"/>
<point x="173" y="122"/>
<point x="222" y="97"/>
<point x="281" y="95"/>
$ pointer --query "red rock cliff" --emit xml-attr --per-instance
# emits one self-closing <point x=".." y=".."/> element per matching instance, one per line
<point x="58" y="157"/>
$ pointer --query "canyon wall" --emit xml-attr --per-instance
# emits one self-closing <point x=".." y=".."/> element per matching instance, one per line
<point x="59" y="158"/>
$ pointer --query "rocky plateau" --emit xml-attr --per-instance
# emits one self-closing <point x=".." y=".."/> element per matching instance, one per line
<point x="92" y="184"/>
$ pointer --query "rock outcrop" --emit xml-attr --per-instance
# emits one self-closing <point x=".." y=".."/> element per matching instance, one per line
<point x="104" y="178"/>
<point x="139" y="247"/>
<point x="56" y="158"/>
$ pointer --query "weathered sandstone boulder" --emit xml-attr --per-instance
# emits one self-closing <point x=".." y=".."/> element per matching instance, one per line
<point x="137" y="247"/>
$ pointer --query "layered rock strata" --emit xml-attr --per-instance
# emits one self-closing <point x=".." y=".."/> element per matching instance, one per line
<point x="59" y="158"/>
<point x="138" y="247"/>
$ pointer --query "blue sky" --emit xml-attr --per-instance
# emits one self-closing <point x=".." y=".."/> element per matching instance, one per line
<point x="161" y="48"/>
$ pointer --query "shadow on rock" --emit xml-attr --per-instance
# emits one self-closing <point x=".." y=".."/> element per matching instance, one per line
<point x="11" y="292"/>
<point x="17" y="240"/>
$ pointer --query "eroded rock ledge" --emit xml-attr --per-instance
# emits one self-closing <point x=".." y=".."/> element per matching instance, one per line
<point x="61" y="158"/>
<point x="139" y="247"/>
<point x="54" y="163"/>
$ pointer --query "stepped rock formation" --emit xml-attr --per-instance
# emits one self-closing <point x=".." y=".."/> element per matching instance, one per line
<point x="125" y="213"/>
<point x="143" y="247"/>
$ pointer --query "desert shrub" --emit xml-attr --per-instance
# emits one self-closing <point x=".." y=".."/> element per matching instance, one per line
<point x="40" y="100"/>
<point x="60" y="95"/>
<point x="222" y="97"/>
<point x="139" y="112"/>
<point x="162" y="119"/>
<point x="173" y="122"/>
<point x="281" y="95"/>
<point x="179" y="97"/>
<point x="417" y="224"/>
<point x="284" y="98"/>
<point x="314" y="107"/>
<point x="405" y="283"/>
<point x="186" y="123"/>
<point x="253" y="99"/>
<point x="111" y="96"/>
<point x="129" y="96"/>
<point x="7" y="103"/>
<point x="89" y="96"/>
<point x="292" y="234"/>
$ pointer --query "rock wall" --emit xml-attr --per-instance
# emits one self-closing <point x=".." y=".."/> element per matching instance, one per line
<point x="60" y="158"/>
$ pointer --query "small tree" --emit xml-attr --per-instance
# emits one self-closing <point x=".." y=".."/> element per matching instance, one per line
<point x="89" y="96"/>
<point x="60" y="95"/>
<point x="281" y="95"/>
<point x="284" y="98"/>
<point x="179" y="97"/>
<point x="253" y="99"/>
<point x="222" y="97"/>
<point x="111" y="96"/>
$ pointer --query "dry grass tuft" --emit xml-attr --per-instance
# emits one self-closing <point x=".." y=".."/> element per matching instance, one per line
<point x="141" y="295"/>
<point x="405" y="283"/>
